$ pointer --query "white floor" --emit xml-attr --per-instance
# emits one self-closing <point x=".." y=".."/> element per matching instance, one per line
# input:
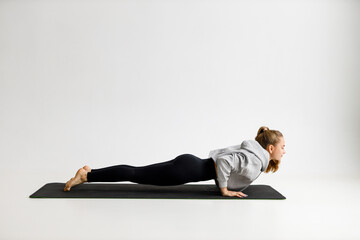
<point x="315" y="208"/>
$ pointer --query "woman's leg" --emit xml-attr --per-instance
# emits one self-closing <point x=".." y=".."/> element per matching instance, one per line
<point x="183" y="169"/>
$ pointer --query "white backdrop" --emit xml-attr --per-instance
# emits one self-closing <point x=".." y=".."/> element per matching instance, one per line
<point x="139" y="82"/>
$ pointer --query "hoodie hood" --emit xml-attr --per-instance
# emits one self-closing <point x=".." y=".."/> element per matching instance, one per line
<point x="255" y="148"/>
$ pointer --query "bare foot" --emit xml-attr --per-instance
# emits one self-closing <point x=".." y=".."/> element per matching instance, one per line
<point x="80" y="177"/>
<point x="87" y="168"/>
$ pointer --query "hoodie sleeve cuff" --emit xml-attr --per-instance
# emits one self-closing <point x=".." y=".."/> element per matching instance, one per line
<point x="222" y="184"/>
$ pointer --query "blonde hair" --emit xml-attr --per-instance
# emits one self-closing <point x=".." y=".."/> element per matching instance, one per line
<point x="264" y="137"/>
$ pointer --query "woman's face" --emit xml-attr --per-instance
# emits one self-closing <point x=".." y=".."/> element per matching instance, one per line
<point x="277" y="152"/>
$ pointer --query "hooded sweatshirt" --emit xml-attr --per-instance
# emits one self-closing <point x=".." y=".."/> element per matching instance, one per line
<point x="239" y="165"/>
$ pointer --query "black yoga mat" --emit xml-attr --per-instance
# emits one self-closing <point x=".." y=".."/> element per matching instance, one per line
<point x="186" y="191"/>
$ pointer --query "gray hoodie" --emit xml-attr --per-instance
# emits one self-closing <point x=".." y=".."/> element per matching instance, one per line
<point x="239" y="165"/>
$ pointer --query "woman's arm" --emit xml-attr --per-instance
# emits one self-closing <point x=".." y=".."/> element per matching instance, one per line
<point x="226" y="193"/>
<point x="225" y="168"/>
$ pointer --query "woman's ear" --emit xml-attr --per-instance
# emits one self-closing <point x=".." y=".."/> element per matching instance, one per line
<point x="270" y="148"/>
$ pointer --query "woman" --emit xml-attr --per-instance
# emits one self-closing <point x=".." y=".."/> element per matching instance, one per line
<point x="234" y="167"/>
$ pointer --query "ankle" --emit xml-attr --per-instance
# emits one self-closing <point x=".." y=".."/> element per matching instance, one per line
<point x="85" y="177"/>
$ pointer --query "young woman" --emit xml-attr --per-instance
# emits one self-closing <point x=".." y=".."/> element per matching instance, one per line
<point x="234" y="167"/>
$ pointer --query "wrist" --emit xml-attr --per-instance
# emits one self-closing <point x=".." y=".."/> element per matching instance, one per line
<point x="224" y="190"/>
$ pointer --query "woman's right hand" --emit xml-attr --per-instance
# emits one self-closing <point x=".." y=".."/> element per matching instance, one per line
<point x="226" y="193"/>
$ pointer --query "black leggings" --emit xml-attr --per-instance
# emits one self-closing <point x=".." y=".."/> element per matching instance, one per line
<point x="182" y="169"/>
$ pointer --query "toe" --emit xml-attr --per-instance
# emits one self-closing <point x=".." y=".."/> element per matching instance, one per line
<point x="68" y="185"/>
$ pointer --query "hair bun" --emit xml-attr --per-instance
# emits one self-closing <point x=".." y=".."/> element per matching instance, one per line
<point x="262" y="130"/>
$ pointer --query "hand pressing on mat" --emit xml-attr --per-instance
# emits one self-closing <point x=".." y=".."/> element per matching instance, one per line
<point x="80" y="177"/>
<point x="226" y="193"/>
